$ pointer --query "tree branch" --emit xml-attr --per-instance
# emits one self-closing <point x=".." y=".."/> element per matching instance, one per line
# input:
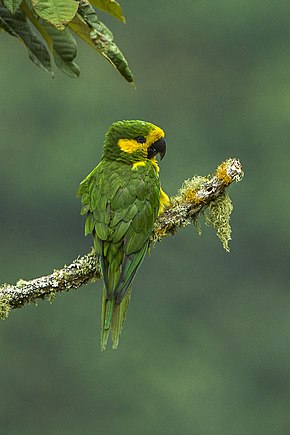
<point x="196" y="196"/>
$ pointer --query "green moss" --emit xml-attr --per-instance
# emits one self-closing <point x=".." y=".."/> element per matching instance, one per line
<point x="218" y="215"/>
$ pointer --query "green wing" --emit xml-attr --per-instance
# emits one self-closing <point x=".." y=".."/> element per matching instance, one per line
<point x="122" y="206"/>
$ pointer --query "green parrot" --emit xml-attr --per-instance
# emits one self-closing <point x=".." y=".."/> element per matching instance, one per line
<point x="122" y="198"/>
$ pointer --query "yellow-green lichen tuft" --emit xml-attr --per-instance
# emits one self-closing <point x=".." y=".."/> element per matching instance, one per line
<point x="218" y="215"/>
<point x="190" y="188"/>
<point x="222" y="173"/>
<point x="50" y="297"/>
<point x="5" y="307"/>
<point x="21" y="283"/>
<point x="159" y="233"/>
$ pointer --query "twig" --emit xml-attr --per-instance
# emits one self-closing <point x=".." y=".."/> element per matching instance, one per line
<point x="192" y="199"/>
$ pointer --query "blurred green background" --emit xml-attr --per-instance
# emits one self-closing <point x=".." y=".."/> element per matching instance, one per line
<point x="206" y="345"/>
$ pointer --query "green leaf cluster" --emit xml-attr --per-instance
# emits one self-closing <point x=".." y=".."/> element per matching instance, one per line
<point x="47" y="29"/>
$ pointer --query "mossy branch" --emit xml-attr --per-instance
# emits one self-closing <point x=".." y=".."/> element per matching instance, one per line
<point x="196" y="196"/>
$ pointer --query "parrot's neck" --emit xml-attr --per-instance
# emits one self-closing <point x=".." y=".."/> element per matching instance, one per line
<point x="154" y="162"/>
<point x="141" y="163"/>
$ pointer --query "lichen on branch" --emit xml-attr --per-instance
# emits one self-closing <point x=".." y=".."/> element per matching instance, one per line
<point x="198" y="196"/>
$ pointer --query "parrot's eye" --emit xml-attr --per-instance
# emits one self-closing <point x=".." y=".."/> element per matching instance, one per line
<point x="140" y="139"/>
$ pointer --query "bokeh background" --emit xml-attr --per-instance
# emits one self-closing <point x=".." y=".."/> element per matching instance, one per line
<point x="206" y="345"/>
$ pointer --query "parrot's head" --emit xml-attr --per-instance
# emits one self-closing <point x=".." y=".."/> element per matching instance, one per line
<point x="134" y="141"/>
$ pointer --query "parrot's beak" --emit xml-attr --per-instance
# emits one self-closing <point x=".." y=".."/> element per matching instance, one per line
<point x="158" y="147"/>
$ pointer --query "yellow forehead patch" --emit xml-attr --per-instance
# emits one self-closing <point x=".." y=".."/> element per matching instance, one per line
<point x="131" y="145"/>
<point x="154" y="135"/>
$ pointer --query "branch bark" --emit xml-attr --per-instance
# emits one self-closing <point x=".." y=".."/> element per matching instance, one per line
<point x="194" y="197"/>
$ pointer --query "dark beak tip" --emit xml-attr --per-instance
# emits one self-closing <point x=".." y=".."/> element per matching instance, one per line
<point x="162" y="149"/>
<point x="158" y="147"/>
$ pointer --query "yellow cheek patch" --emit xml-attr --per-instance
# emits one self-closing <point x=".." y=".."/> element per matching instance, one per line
<point x="130" y="145"/>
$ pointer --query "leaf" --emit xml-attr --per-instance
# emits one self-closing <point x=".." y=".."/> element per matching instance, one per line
<point x="111" y="7"/>
<point x="17" y="25"/>
<point x="12" y="5"/>
<point x="56" y="12"/>
<point x="61" y="43"/>
<point x="64" y="51"/>
<point x="88" y="27"/>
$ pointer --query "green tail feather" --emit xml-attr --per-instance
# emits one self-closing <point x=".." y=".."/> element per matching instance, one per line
<point x="113" y="318"/>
